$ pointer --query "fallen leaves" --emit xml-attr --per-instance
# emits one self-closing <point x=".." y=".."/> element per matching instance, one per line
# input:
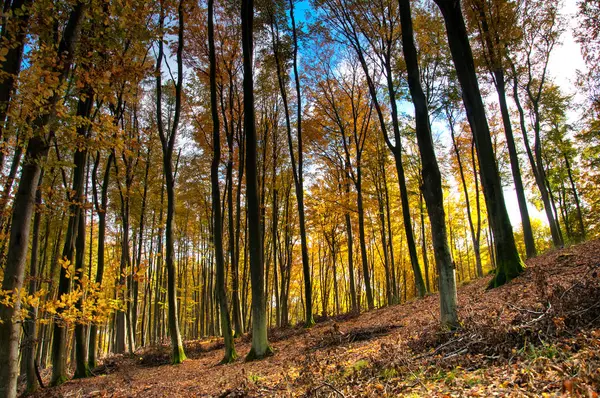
<point x="537" y="336"/>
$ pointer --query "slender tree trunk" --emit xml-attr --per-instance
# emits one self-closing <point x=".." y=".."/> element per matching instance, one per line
<point x="230" y="353"/>
<point x="514" y="165"/>
<point x="362" y="239"/>
<point x="30" y="325"/>
<point x="576" y="197"/>
<point x="168" y="143"/>
<point x="260" y="343"/>
<point x="72" y="240"/>
<point x="474" y="235"/>
<point x="497" y="70"/>
<point x="350" y="242"/>
<point x="135" y="284"/>
<point x="424" y="243"/>
<point x="535" y="167"/>
<point x="397" y="151"/>
<point x="234" y="253"/>
<point x="297" y="169"/>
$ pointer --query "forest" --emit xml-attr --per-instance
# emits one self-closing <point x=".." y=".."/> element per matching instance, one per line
<point x="178" y="173"/>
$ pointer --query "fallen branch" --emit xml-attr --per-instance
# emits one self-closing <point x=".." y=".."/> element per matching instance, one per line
<point x="325" y="384"/>
<point x="438" y="349"/>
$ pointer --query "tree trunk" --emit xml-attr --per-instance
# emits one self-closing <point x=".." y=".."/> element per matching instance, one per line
<point x="230" y="353"/>
<point x="576" y="197"/>
<point x="538" y="172"/>
<point x="508" y="261"/>
<point x="168" y="142"/>
<point x="497" y="70"/>
<point x="260" y="343"/>
<point x="350" y="242"/>
<point x="362" y="239"/>
<point x="30" y="325"/>
<point x="514" y="165"/>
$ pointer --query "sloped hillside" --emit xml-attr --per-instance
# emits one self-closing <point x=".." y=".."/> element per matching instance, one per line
<point x="537" y="336"/>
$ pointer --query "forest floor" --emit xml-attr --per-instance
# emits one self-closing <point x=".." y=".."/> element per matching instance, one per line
<point x="539" y="335"/>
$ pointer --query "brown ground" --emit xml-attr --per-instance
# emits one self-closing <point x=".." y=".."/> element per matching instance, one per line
<point x="537" y="336"/>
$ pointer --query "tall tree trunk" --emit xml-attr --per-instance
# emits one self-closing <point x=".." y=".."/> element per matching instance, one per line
<point x="362" y="239"/>
<point x="475" y="233"/>
<point x="490" y="45"/>
<point x="576" y="197"/>
<point x="424" y="242"/>
<point x="234" y="253"/>
<point x="432" y="183"/>
<point x="297" y="169"/>
<point x="230" y="353"/>
<point x="508" y="261"/>
<point x="536" y="167"/>
<point x="30" y="325"/>
<point x="134" y="304"/>
<point x="431" y="176"/>
<point x="167" y="139"/>
<point x="76" y="216"/>
<point x="350" y="242"/>
<point x="514" y="165"/>
<point x="299" y="180"/>
<point x="260" y="343"/>
<point x="397" y="151"/>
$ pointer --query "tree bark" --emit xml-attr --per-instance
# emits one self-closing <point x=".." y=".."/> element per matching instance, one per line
<point x="260" y="343"/>
<point x="30" y="325"/>
<point x="230" y="353"/>
<point x="508" y="261"/>
<point x="432" y="179"/>
<point x="167" y="139"/>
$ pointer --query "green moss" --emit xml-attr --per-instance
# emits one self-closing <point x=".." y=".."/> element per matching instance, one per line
<point x="59" y="380"/>
<point x="178" y="355"/>
<point x="252" y="356"/>
<point x="388" y="373"/>
<point x="230" y="357"/>
<point x="360" y="365"/>
<point x="309" y="322"/>
<point x="83" y="374"/>
<point x="505" y="272"/>
<point x="254" y="378"/>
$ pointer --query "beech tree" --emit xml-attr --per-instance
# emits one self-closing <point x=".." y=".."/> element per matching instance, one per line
<point x="167" y="139"/>
<point x="260" y="343"/>
<point x="508" y="261"/>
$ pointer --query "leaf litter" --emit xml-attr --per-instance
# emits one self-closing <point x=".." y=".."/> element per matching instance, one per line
<point x="539" y="335"/>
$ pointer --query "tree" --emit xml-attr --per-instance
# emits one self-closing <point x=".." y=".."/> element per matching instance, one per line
<point x="167" y="139"/>
<point x="495" y="20"/>
<point x="349" y="19"/>
<point x="542" y="28"/>
<point x="297" y="165"/>
<point x="508" y="261"/>
<point x="432" y="180"/>
<point x="260" y="343"/>
<point x="230" y="353"/>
